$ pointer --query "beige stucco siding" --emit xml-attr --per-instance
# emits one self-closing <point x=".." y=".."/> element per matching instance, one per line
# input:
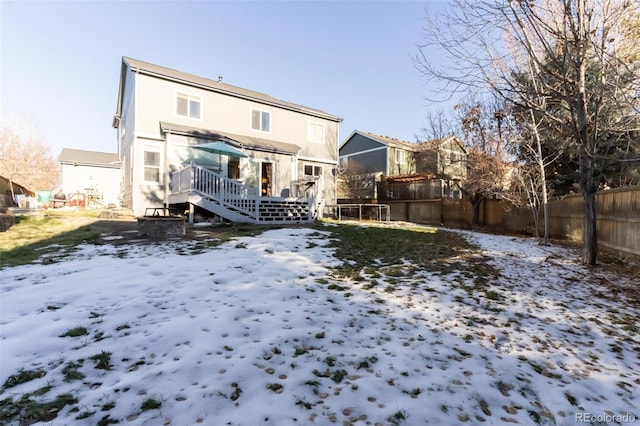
<point x="326" y="151"/>
<point x="146" y="193"/>
<point x="453" y="159"/>
<point x="395" y="168"/>
<point x="229" y="114"/>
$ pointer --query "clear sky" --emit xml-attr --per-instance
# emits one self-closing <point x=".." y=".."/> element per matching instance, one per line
<point x="61" y="60"/>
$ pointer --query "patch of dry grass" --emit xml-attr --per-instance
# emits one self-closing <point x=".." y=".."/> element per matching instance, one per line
<point x="36" y="235"/>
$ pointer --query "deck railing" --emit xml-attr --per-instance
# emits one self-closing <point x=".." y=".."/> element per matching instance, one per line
<point x="229" y="193"/>
<point x="236" y="196"/>
<point x="310" y="189"/>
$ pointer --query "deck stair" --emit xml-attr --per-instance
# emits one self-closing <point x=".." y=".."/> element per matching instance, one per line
<point x="277" y="210"/>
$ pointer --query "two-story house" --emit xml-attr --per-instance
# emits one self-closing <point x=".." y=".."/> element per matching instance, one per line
<point x="278" y="163"/>
<point x="429" y="169"/>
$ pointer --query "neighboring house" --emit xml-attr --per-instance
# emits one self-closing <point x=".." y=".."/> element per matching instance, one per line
<point x="96" y="175"/>
<point x="283" y="155"/>
<point x="13" y="194"/>
<point x="364" y="152"/>
<point x="430" y="169"/>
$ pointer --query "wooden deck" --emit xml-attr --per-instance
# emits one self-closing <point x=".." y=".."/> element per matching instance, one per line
<point x="236" y="202"/>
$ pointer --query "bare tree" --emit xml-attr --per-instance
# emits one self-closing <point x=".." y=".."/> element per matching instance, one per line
<point x="486" y="162"/>
<point x="438" y="126"/>
<point x="355" y="183"/>
<point x="24" y="156"/>
<point x="532" y="163"/>
<point x="583" y="56"/>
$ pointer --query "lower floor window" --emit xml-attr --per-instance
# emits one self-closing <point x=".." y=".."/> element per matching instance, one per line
<point x="151" y="166"/>
<point x="311" y="170"/>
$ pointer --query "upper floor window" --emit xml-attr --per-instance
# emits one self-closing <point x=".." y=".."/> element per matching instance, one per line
<point x="151" y="166"/>
<point x="400" y="156"/>
<point x="188" y="105"/>
<point x="260" y="120"/>
<point x="311" y="170"/>
<point x="315" y="132"/>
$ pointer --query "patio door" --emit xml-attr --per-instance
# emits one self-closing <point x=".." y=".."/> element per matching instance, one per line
<point x="266" y="178"/>
<point x="233" y="168"/>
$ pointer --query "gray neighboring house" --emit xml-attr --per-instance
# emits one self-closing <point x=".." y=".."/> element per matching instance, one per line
<point x="281" y="161"/>
<point x="438" y="165"/>
<point x="91" y="173"/>
<point x="367" y="152"/>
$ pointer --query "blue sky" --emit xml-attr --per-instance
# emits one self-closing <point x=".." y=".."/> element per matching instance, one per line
<point x="61" y="60"/>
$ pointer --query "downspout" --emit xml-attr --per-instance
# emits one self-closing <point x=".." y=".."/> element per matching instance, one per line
<point x="166" y="168"/>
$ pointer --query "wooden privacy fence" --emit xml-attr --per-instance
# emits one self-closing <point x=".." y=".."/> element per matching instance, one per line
<point x="617" y="212"/>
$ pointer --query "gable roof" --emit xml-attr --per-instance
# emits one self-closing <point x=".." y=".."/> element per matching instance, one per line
<point x="409" y="146"/>
<point x="81" y="157"/>
<point x="389" y="141"/>
<point x="436" y="143"/>
<point x="385" y="140"/>
<point x="210" y="85"/>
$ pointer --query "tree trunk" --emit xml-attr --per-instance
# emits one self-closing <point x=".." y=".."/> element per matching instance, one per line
<point x="587" y="141"/>
<point x="590" y="247"/>
<point x="13" y="195"/>
<point x="543" y="175"/>
<point x="545" y="196"/>
<point x="545" y="212"/>
<point x="475" y="220"/>
<point x="590" y="237"/>
<point x="536" y="221"/>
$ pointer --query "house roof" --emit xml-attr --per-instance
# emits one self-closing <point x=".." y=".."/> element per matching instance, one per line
<point x="4" y="183"/>
<point x="247" y="142"/>
<point x="385" y="140"/>
<point x="435" y="143"/>
<point x="88" y="158"/>
<point x="212" y="85"/>
<point x="409" y="146"/>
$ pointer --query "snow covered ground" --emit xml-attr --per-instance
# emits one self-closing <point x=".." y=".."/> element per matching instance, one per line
<point x="252" y="332"/>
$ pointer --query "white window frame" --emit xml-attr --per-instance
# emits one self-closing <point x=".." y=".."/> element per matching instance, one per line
<point x="314" y="169"/>
<point x="261" y="111"/>
<point x="145" y="165"/>
<point x="400" y="156"/>
<point x="190" y="98"/>
<point x="315" y="132"/>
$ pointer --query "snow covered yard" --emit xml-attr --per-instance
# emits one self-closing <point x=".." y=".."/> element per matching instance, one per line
<point x="263" y="331"/>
